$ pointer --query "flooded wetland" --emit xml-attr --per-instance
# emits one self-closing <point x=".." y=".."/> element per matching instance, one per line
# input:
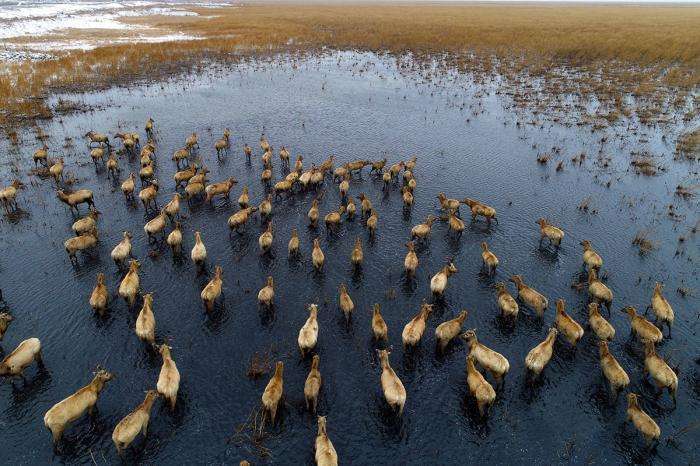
<point x="624" y="183"/>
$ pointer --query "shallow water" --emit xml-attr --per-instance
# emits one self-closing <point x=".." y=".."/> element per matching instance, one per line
<point x="353" y="106"/>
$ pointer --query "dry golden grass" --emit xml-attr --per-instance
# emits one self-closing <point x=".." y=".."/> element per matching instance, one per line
<point x="638" y="48"/>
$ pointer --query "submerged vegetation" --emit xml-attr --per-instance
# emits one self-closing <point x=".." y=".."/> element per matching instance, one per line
<point x="641" y="240"/>
<point x="608" y="52"/>
<point x="688" y="145"/>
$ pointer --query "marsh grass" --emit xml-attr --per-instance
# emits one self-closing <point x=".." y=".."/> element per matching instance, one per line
<point x="260" y="364"/>
<point x="605" y="51"/>
<point x="688" y="145"/>
<point x="645" y="165"/>
<point x="251" y="434"/>
<point x="686" y="192"/>
<point x="642" y="241"/>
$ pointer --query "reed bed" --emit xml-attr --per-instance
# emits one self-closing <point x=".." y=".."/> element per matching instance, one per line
<point x="611" y="50"/>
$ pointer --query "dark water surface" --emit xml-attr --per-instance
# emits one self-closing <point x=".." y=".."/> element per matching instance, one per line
<point x="468" y="144"/>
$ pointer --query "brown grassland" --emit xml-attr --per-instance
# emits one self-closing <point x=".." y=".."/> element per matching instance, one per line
<point x="617" y="49"/>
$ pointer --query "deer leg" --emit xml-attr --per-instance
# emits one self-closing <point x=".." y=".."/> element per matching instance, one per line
<point x="56" y="433"/>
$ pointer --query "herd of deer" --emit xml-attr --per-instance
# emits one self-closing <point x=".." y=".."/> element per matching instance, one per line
<point x="195" y="180"/>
